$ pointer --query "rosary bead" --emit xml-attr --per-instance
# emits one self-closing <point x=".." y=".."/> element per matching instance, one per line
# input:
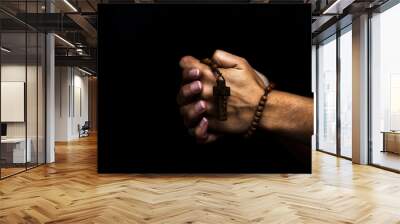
<point x="257" y="116"/>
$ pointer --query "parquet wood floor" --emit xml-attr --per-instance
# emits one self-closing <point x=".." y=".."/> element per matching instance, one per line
<point x="71" y="191"/>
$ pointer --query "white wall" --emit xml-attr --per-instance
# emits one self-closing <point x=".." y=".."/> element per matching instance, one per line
<point x="14" y="72"/>
<point x="33" y="126"/>
<point x="62" y="81"/>
<point x="17" y="72"/>
<point x="71" y="102"/>
<point x="80" y="102"/>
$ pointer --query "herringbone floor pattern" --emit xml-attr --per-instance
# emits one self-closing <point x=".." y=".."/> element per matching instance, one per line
<point x="70" y="191"/>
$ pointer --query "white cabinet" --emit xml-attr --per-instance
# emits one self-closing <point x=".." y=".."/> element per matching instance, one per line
<point x="19" y="155"/>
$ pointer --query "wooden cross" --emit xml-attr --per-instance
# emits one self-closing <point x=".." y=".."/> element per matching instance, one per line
<point x="221" y="93"/>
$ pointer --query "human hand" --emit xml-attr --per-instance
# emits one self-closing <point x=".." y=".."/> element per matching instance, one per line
<point x="197" y="102"/>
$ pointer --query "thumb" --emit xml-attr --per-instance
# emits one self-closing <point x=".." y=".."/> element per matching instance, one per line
<point x="227" y="60"/>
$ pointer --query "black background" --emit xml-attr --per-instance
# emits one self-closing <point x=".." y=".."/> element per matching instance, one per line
<point x="140" y="128"/>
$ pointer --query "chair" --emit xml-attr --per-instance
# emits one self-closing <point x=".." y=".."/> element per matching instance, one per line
<point x="84" y="130"/>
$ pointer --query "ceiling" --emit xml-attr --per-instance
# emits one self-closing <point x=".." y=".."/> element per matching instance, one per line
<point x="75" y="22"/>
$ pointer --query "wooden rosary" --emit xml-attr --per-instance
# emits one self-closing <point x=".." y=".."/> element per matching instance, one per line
<point x="220" y="91"/>
<point x="259" y="111"/>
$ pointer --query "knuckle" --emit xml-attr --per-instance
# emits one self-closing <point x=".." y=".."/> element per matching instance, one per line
<point x="243" y="60"/>
<point x="208" y="74"/>
<point x="217" y="53"/>
<point x="185" y="60"/>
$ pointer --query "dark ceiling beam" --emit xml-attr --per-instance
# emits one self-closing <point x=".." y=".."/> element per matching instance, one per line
<point x="49" y="22"/>
<point x="81" y="61"/>
<point x="91" y="5"/>
<point x="74" y="13"/>
<point x="15" y="18"/>
<point x="86" y="27"/>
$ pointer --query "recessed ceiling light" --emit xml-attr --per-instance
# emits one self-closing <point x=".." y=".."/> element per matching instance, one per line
<point x="84" y="71"/>
<point x="5" y="50"/>
<point x="70" y="5"/>
<point x="337" y="7"/>
<point x="65" y="41"/>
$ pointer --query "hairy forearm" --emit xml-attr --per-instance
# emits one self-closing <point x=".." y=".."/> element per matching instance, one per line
<point x="289" y="115"/>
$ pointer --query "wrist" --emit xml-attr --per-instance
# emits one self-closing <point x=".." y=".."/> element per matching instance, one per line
<point x="263" y="78"/>
<point x="259" y="90"/>
<point x="256" y="120"/>
<point x="270" y="120"/>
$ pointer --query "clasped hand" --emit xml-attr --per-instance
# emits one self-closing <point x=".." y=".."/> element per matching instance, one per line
<point x="196" y="102"/>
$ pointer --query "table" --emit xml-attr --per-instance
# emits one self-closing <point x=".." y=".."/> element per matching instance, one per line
<point x="13" y="150"/>
<point x="391" y="141"/>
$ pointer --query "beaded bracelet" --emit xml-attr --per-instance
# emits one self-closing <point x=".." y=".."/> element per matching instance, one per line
<point x="260" y="108"/>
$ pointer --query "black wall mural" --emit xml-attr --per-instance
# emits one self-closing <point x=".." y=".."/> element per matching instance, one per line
<point x="140" y="46"/>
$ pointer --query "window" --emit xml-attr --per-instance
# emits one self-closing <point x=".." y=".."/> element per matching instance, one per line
<point x="334" y="106"/>
<point x="346" y="92"/>
<point x="385" y="88"/>
<point x="22" y="77"/>
<point x="327" y="95"/>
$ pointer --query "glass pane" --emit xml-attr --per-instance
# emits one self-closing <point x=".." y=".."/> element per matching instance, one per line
<point x="14" y="153"/>
<point x="32" y="95"/>
<point x="41" y="98"/>
<point x="80" y="101"/>
<point x="385" y="84"/>
<point x="327" y="96"/>
<point x="346" y="94"/>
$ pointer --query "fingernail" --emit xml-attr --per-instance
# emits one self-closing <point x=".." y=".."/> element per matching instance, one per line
<point x="194" y="73"/>
<point x="203" y="125"/>
<point x="200" y="106"/>
<point x="195" y="86"/>
<point x="203" y="122"/>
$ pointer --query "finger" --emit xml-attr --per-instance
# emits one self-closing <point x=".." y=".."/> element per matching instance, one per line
<point x="227" y="60"/>
<point x="188" y="62"/>
<point x="190" y="74"/>
<point x="216" y="126"/>
<point x="211" y="110"/>
<point x="211" y="138"/>
<point x="192" y="112"/>
<point x="188" y="92"/>
<point x="201" y="132"/>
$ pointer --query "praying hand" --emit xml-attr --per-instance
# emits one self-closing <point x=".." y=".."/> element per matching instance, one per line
<point x="283" y="113"/>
